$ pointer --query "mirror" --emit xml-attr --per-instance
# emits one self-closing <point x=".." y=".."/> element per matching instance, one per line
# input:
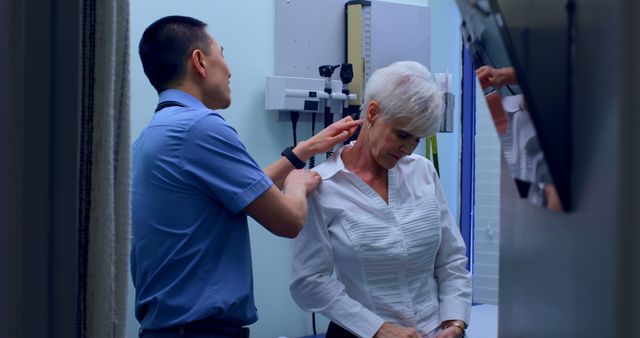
<point x="532" y="124"/>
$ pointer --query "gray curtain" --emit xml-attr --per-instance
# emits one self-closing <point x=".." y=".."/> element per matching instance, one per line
<point x="104" y="213"/>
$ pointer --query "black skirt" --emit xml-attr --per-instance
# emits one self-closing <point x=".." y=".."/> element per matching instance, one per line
<point x="336" y="331"/>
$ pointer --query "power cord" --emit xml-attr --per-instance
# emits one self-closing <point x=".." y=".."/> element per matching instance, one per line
<point x="295" y="116"/>
<point x="312" y="159"/>
<point x="313" y="320"/>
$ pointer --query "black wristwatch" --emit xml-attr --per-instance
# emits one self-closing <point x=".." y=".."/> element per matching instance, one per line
<point x="297" y="162"/>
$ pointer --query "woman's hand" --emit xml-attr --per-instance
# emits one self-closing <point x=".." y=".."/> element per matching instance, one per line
<point x="452" y="329"/>
<point x="451" y="332"/>
<point x="326" y="139"/>
<point x="388" y="330"/>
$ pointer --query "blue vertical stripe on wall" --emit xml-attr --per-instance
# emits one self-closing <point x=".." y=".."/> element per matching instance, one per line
<point x="467" y="174"/>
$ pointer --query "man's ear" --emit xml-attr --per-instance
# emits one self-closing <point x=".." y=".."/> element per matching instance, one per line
<point x="197" y="61"/>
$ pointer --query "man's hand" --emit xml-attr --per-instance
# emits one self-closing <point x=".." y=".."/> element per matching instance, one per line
<point x="302" y="179"/>
<point x="489" y="76"/>
<point x="338" y="132"/>
<point x="283" y="212"/>
<point x="388" y="330"/>
<point x="326" y="139"/>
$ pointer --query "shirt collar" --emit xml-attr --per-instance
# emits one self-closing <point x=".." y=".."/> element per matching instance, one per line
<point x="180" y="96"/>
<point x="334" y="164"/>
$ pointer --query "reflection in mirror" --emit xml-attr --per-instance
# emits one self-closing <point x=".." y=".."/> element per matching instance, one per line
<point x="511" y="111"/>
<point x="520" y="145"/>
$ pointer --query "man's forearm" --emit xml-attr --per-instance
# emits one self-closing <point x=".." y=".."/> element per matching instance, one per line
<point x="278" y="170"/>
<point x="322" y="142"/>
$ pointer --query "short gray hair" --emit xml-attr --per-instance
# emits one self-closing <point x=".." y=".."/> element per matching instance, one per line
<point x="405" y="90"/>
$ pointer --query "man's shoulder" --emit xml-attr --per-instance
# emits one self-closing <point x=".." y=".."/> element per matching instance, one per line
<point x="199" y="119"/>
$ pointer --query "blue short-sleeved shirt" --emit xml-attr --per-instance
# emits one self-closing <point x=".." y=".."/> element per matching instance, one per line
<point x="190" y="253"/>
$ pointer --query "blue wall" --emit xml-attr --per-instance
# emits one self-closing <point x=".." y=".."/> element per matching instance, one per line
<point x="247" y="32"/>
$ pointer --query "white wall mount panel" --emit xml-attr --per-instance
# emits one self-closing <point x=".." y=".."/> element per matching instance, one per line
<point x="309" y="33"/>
<point x="399" y="32"/>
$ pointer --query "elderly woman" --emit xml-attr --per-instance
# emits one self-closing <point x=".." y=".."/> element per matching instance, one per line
<point x="381" y="222"/>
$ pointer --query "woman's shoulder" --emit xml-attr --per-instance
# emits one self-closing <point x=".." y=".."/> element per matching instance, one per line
<point x="416" y="168"/>
<point x="418" y="162"/>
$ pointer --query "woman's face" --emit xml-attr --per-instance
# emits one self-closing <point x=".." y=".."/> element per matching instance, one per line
<point x="390" y="141"/>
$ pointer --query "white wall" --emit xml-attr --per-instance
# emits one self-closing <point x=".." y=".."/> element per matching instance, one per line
<point x="486" y="241"/>
<point x="446" y="51"/>
<point x="247" y="32"/>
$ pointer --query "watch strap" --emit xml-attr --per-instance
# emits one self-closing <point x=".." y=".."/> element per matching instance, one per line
<point x="291" y="156"/>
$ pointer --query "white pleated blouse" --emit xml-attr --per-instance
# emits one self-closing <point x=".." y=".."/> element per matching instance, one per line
<point x="401" y="262"/>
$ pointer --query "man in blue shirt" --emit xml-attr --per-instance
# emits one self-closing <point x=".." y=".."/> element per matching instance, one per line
<point x="194" y="184"/>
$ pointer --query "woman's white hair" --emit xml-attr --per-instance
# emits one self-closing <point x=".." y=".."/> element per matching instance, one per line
<point x="406" y="92"/>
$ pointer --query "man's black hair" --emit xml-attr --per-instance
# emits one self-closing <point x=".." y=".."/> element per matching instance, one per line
<point x="166" y="45"/>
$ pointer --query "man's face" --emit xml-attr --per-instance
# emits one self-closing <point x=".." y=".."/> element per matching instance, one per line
<point x="217" y="93"/>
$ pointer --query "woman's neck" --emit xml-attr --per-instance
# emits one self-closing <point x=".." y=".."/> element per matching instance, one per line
<point x="359" y="160"/>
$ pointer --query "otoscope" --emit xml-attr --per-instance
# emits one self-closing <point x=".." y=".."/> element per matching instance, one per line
<point x="326" y="71"/>
<point x="346" y="75"/>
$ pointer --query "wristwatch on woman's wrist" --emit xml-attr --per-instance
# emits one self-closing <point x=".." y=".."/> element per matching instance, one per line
<point x="457" y="323"/>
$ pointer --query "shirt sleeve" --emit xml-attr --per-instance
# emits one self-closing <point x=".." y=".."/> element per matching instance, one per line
<point x="218" y="164"/>
<point x="454" y="280"/>
<point x="314" y="288"/>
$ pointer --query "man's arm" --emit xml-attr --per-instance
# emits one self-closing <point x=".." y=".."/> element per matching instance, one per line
<point x="489" y="76"/>
<point x="336" y="133"/>
<point x="283" y="212"/>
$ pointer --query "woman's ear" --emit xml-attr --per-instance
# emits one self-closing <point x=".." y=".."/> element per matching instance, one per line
<point x="373" y="111"/>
